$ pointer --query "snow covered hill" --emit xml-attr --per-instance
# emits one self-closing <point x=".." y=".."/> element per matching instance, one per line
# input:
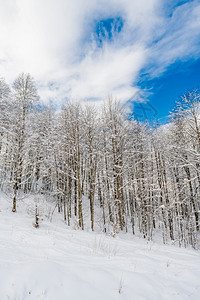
<point x="54" y="262"/>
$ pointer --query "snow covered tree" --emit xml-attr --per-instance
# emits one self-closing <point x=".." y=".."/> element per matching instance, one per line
<point x="25" y="99"/>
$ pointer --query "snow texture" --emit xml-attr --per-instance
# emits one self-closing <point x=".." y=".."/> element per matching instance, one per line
<point x="57" y="262"/>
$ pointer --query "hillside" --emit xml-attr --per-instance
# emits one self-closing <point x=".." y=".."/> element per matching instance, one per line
<point x="58" y="262"/>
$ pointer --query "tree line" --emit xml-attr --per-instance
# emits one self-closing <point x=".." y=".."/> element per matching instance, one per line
<point x="132" y="177"/>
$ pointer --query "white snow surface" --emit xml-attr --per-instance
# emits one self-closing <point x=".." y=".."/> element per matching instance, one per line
<point x="56" y="262"/>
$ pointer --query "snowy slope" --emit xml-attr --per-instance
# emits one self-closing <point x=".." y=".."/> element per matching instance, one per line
<point x="58" y="263"/>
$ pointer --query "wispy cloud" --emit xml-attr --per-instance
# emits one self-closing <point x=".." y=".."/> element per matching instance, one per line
<point x="179" y="39"/>
<point x="58" y="43"/>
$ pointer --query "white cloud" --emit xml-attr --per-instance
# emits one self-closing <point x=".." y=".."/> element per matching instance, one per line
<point x="180" y="38"/>
<point x="55" y="41"/>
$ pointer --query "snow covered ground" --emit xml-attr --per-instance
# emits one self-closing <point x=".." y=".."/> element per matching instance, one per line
<point x="58" y="263"/>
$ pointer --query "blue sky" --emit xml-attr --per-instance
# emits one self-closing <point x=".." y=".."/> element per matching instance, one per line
<point x="167" y="89"/>
<point x="162" y="92"/>
<point x="87" y="50"/>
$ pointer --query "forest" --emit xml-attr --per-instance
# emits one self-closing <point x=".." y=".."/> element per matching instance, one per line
<point x="134" y="177"/>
